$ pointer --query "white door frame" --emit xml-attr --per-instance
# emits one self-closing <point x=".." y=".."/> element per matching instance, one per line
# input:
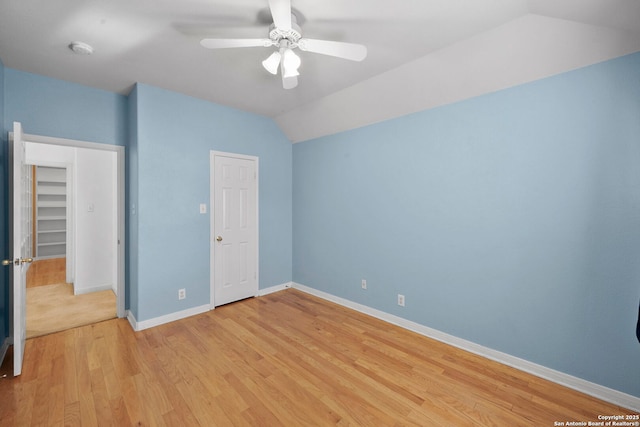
<point x="120" y="186"/>
<point x="212" y="155"/>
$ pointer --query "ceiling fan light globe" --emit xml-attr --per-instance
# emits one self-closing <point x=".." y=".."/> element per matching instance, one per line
<point x="272" y="62"/>
<point x="290" y="62"/>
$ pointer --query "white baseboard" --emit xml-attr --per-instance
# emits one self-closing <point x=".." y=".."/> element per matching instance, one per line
<point x="81" y="291"/>
<point x="160" y="320"/>
<point x="132" y="319"/>
<point x="272" y="289"/>
<point x="156" y="321"/>
<point x="596" y="390"/>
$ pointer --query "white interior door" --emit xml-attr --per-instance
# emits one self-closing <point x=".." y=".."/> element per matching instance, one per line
<point x="20" y="214"/>
<point x="234" y="227"/>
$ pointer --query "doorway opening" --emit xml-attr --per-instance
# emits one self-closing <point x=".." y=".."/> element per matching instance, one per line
<point x="52" y="304"/>
<point x="77" y="229"/>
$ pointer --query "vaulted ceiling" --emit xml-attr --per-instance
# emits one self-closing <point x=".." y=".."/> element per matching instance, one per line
<point x="421" y="53"/>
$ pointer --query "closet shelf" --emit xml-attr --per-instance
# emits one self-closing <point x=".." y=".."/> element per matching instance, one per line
<point x="51" y="244"/>
<point x="50" y="211"/>
<point x="47" y="204"/>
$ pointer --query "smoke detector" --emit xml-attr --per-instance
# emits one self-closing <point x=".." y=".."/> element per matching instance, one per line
<point x="81" y="48"/>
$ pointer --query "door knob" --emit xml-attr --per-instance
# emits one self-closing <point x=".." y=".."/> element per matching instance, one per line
<point x="17" y="261"/>
<point x="219" y="238"/>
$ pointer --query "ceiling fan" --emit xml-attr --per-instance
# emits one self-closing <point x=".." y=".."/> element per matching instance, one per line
<point x="286" y="35"/>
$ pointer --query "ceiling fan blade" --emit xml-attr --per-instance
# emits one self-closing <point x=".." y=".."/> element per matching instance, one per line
<point x="350" y="51"/>
<point x="281" y="13"/>
<point x="227" y="43"/>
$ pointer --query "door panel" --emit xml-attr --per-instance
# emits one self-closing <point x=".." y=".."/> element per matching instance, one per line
<point x="21" y="211"/>
<point x="234" y="238"/>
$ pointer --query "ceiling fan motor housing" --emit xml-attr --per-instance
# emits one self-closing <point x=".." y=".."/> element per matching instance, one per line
<point x="292" y="35"/>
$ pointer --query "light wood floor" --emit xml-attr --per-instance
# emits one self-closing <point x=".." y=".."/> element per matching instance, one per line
<point x="286" y="359"/>
<point x="44" y="272"/>
<point x="53" y="308"/>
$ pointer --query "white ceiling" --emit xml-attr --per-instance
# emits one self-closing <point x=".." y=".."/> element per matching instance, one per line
<point x="422" y="53"/>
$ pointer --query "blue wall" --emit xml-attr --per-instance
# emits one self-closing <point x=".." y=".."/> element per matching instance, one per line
<point x="52" y="107"/>
<point x="175" y="134"/>
<point x="511" y="220"/>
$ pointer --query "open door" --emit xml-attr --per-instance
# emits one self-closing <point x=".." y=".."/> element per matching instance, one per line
<point x="19" y="213"/>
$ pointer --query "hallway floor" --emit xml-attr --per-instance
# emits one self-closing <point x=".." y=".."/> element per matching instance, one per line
<point x="52" y="306"/>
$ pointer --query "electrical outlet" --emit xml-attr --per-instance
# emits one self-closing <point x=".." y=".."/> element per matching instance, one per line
<point x="182" y="293"/>
<point x="364" y="284"/>
<point x="401" y="300"/>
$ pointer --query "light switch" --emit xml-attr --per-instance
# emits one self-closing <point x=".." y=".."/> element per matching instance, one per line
<point x="203" y="208"/>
